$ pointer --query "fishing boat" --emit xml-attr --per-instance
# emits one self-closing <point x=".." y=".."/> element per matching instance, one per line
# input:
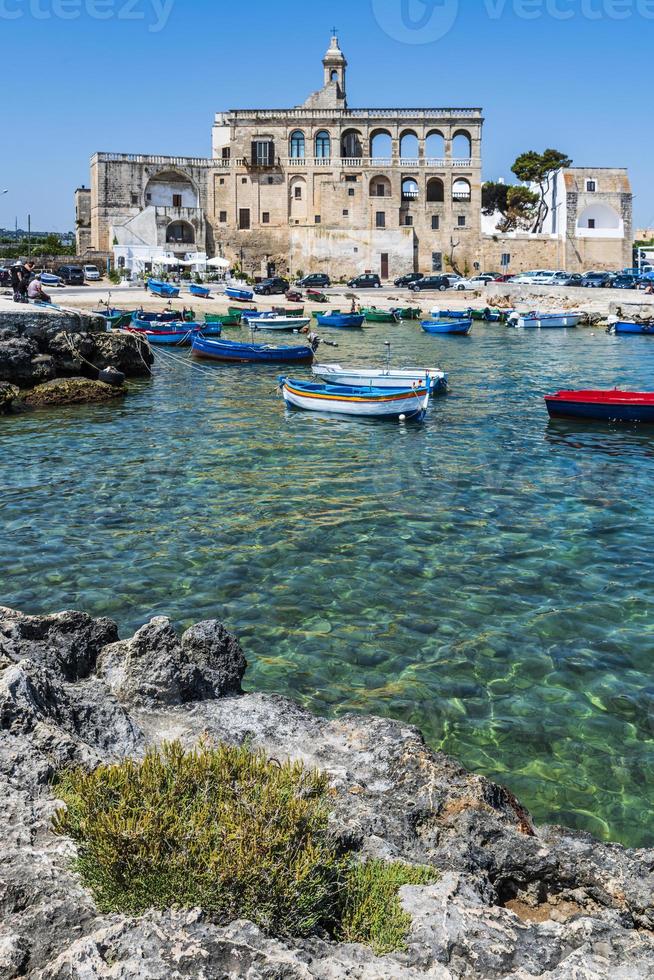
<point x="229" y="351"/>
<point x="489" y="315"/>
<point x="458" y="328"/>
<point x="603" y="406"/>
<point x="115" y="319"/>
<point x="162" y="288"/>
<point x="628" y="326"/>
<point x="408" y="312"/>
<point x="212" y="329"/>
<point x="225" y="319"/>
<point x="166" y="316"/>
<point x="271" y="321"/>
<point x="403" y="403"/>
<point x="544" y="321"/>
<point x="334" y="374"/>
<point x="202" y="291"/>
<point x="341" y="321"/>
<point x="170" y="334"/>
<point x="374" y="315"/>
<point x="317" y="296"/>
<point x="236" y="311"/>
<point x="299" y="311"/>
<point x="437" y="314"/>
<point x="241" y="295"/>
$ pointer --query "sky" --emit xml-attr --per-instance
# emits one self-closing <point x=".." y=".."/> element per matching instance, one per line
<point x="147" y="76"/>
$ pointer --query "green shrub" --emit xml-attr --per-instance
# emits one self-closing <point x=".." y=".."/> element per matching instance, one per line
<point x="114" y="276"/>
<point x="372" y="913"/>
<point x="227" y="830"/>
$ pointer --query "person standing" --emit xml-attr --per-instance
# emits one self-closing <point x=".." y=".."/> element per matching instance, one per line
<point x="26" y="273"/>
<point x="15" y="272"/>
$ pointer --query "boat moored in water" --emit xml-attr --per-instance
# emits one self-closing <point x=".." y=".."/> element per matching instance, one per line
<point x="224" y="319"/>
<point x="229" y="351"/>
<point x="630" y="326"/>
<point x="169" y="334"/>
<point x="602" y="406"/>
<point x="402" y="403"/>
<point x="334" y="374"/>
<point x="271" y="321"/>
<point x="544" y="321"/>
<point x="456" y="328"/>
<point x="373" y="315"/>
<point x="341" y="321"/>
<point x="438" y="314"/>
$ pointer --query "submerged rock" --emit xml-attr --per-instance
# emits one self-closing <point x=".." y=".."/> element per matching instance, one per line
<point x="513" y="901"/>
<point x="71" y="391"/>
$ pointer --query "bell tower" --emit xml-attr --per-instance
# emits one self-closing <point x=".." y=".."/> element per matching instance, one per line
<point x="335" y="65"/>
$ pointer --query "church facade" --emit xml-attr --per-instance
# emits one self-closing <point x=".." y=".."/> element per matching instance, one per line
<point x="321" y="186"/>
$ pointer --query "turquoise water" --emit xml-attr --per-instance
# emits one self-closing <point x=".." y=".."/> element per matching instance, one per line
<point x="487" y="576"/>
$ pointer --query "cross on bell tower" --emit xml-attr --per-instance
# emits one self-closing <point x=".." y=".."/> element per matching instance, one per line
<point x="335" y="65"/>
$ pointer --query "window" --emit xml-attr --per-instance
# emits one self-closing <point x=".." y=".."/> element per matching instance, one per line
<point x="180" y="233"/>
<point x="265" y="218"/>
<point x="135" y="198"/>
<point x="350" y="179"/>
<point x="435" y="222"/>
<point x="461" y="221"/>
<point x="263" y="153"/>
<point x="591" y="186"/>
<point x="244" y="180"/>
<point x="177" y="200"/>
<point x="505" y="261"/>
<point x="323" y="145"/>
<point x="244" y="218"/>
<point x="148" y="197"/>
<point x="351" y="192"/>
<point x="408" y="220"/>
<point x="345" y="213"/>
<point x="226" y="152"/>
<point x="380" y="190"/>
<point x="380" y="219"/>
<point x="591" y="222"/>
<point x="222" y="181"/>
<point x="297" y="192"/>
<point x="436" y="261"/>
<point x="317" y="219"/>
<point x="223" y="217"/>
<point x="297" y="145"/>
<point x="271" y="180"/>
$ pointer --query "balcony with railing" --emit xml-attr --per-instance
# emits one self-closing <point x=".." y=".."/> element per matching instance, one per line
<point x="356" y="163"/>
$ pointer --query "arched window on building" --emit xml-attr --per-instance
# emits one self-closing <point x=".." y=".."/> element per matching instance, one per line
<point x="409" y="189"/>
<point x="461" y="190"/>
<point x="297" y="145"/>
<point x="180" y="233"/>
<point x="381" y="145"/>
<point x="351" y="148"/>
<point x="435" y="145"/>
<point x="461" y="145"/>
<point x="409" y="146"/>
<point x="435" y="190"/>
<point x="323" y="145"/>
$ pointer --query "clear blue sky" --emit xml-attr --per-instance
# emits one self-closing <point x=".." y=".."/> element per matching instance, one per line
<point x="572" y="74"/>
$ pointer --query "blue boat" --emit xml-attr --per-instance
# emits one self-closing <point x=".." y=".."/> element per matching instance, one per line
<point x="242" y="295"/>
<point x="403" y="403"/>
<point x="341" y="321"/>
<point x="162" y="288"/>
<point x="459" y="328"/>
<point x="168" y="316"/>
<point x="628" y="326"/>
<point x="450" y="314"/>
<point x="203" y="291"/>
<point x="212" y="329"/>
<point x="229" y="351"/>
<point x="170" y="334"/>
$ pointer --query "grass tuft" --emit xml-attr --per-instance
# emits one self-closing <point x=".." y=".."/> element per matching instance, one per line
<point x="227" y="830"/>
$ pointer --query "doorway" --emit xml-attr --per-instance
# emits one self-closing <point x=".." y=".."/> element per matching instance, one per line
<point x="384" y="265"/>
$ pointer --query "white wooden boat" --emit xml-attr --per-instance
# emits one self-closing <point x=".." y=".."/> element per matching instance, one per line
<point x="334" y="374"/>
<point x="402" y="403"/>
<point x="544" y="321"/>
<point x="273" y="321"/>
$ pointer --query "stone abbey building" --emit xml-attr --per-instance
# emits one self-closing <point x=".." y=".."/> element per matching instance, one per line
<point x="327" y="187"/>
<point x="320" y="186"/>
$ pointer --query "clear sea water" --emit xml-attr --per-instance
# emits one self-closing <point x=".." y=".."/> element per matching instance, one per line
<point x="488" y="575"/>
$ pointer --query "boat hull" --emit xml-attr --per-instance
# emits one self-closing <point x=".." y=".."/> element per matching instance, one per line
<point x="334" y="374"/>
<point x="224" y="319"/>
<point x="163" y="288"/>
<point x="168" y="338"/>
<point x="229" y="352"/>
<point x="202" y="291"/>
<point x="380" y="316"/>
<point x="341" y="321"/>
<point x="240" y="295"/>
<point x="602" y="406"/>
<point x="279" y="323"/>
<point x="437" y="314"/>
<point x="361" y="402"/>
<point x="626" y="326"/>
<point x="549" y="322"/>
<point x="460" y="328"/>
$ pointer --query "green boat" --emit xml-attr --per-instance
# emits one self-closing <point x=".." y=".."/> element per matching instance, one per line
<point x="408" y="312"/>
<point x="297" y="312"/>
<point x="225" y="319"/>
<point x="373" y="315"/>
<point x="116" y="319"/>
<point x="491" y="315"/>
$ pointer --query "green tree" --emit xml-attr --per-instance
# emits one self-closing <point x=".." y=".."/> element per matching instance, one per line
<point x="516" y="204"/>
<point x="494" y="197"/>
<point x="539" y="169"/>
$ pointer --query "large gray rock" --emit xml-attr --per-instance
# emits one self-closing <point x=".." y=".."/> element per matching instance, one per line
<point x="512" y="901"/>
<point x="8" y="395"/>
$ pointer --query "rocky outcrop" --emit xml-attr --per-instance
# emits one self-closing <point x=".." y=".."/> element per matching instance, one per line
<point x="512" y="900"/>
<point x="71" y="391"/>
<point x="37" y="346"/>
<point x="8" y="395"/>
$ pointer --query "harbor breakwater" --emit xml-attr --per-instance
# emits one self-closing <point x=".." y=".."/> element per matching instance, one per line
<point x="39" y="347"/>
<point x="512" y="900"/>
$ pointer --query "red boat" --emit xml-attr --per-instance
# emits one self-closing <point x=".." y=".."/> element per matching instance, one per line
<point x="604" y="406"/>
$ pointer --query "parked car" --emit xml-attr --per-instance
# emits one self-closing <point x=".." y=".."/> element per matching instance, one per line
<point x="625" y="282"/>
<point x="367" y="281"/>
<point x="92" y="273"/>
<point x="546" y="277"/>
<point x="270" y="286"/>
<point x="505" y="278"/>
<point x="408" y="279"/>
<point x="453" y="279"/>
<point x="441" y="283"/>
<point x="491" y="276"/>
<point x="49" y="279"/>
<point x="5" y="277"/>
<point x="568" y="279"/>
<point x="477" y="282"/>
<point x="597" y="280"/>
<point x="317" y="280"/>
<point x="72" y="275"/>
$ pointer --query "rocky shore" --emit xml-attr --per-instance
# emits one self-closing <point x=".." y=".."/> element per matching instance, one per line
<point x="512" y="900"/>
<point x="39" y="347"/>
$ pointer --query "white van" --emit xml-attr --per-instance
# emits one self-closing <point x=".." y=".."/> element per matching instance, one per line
<point x="92" y="273"/>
